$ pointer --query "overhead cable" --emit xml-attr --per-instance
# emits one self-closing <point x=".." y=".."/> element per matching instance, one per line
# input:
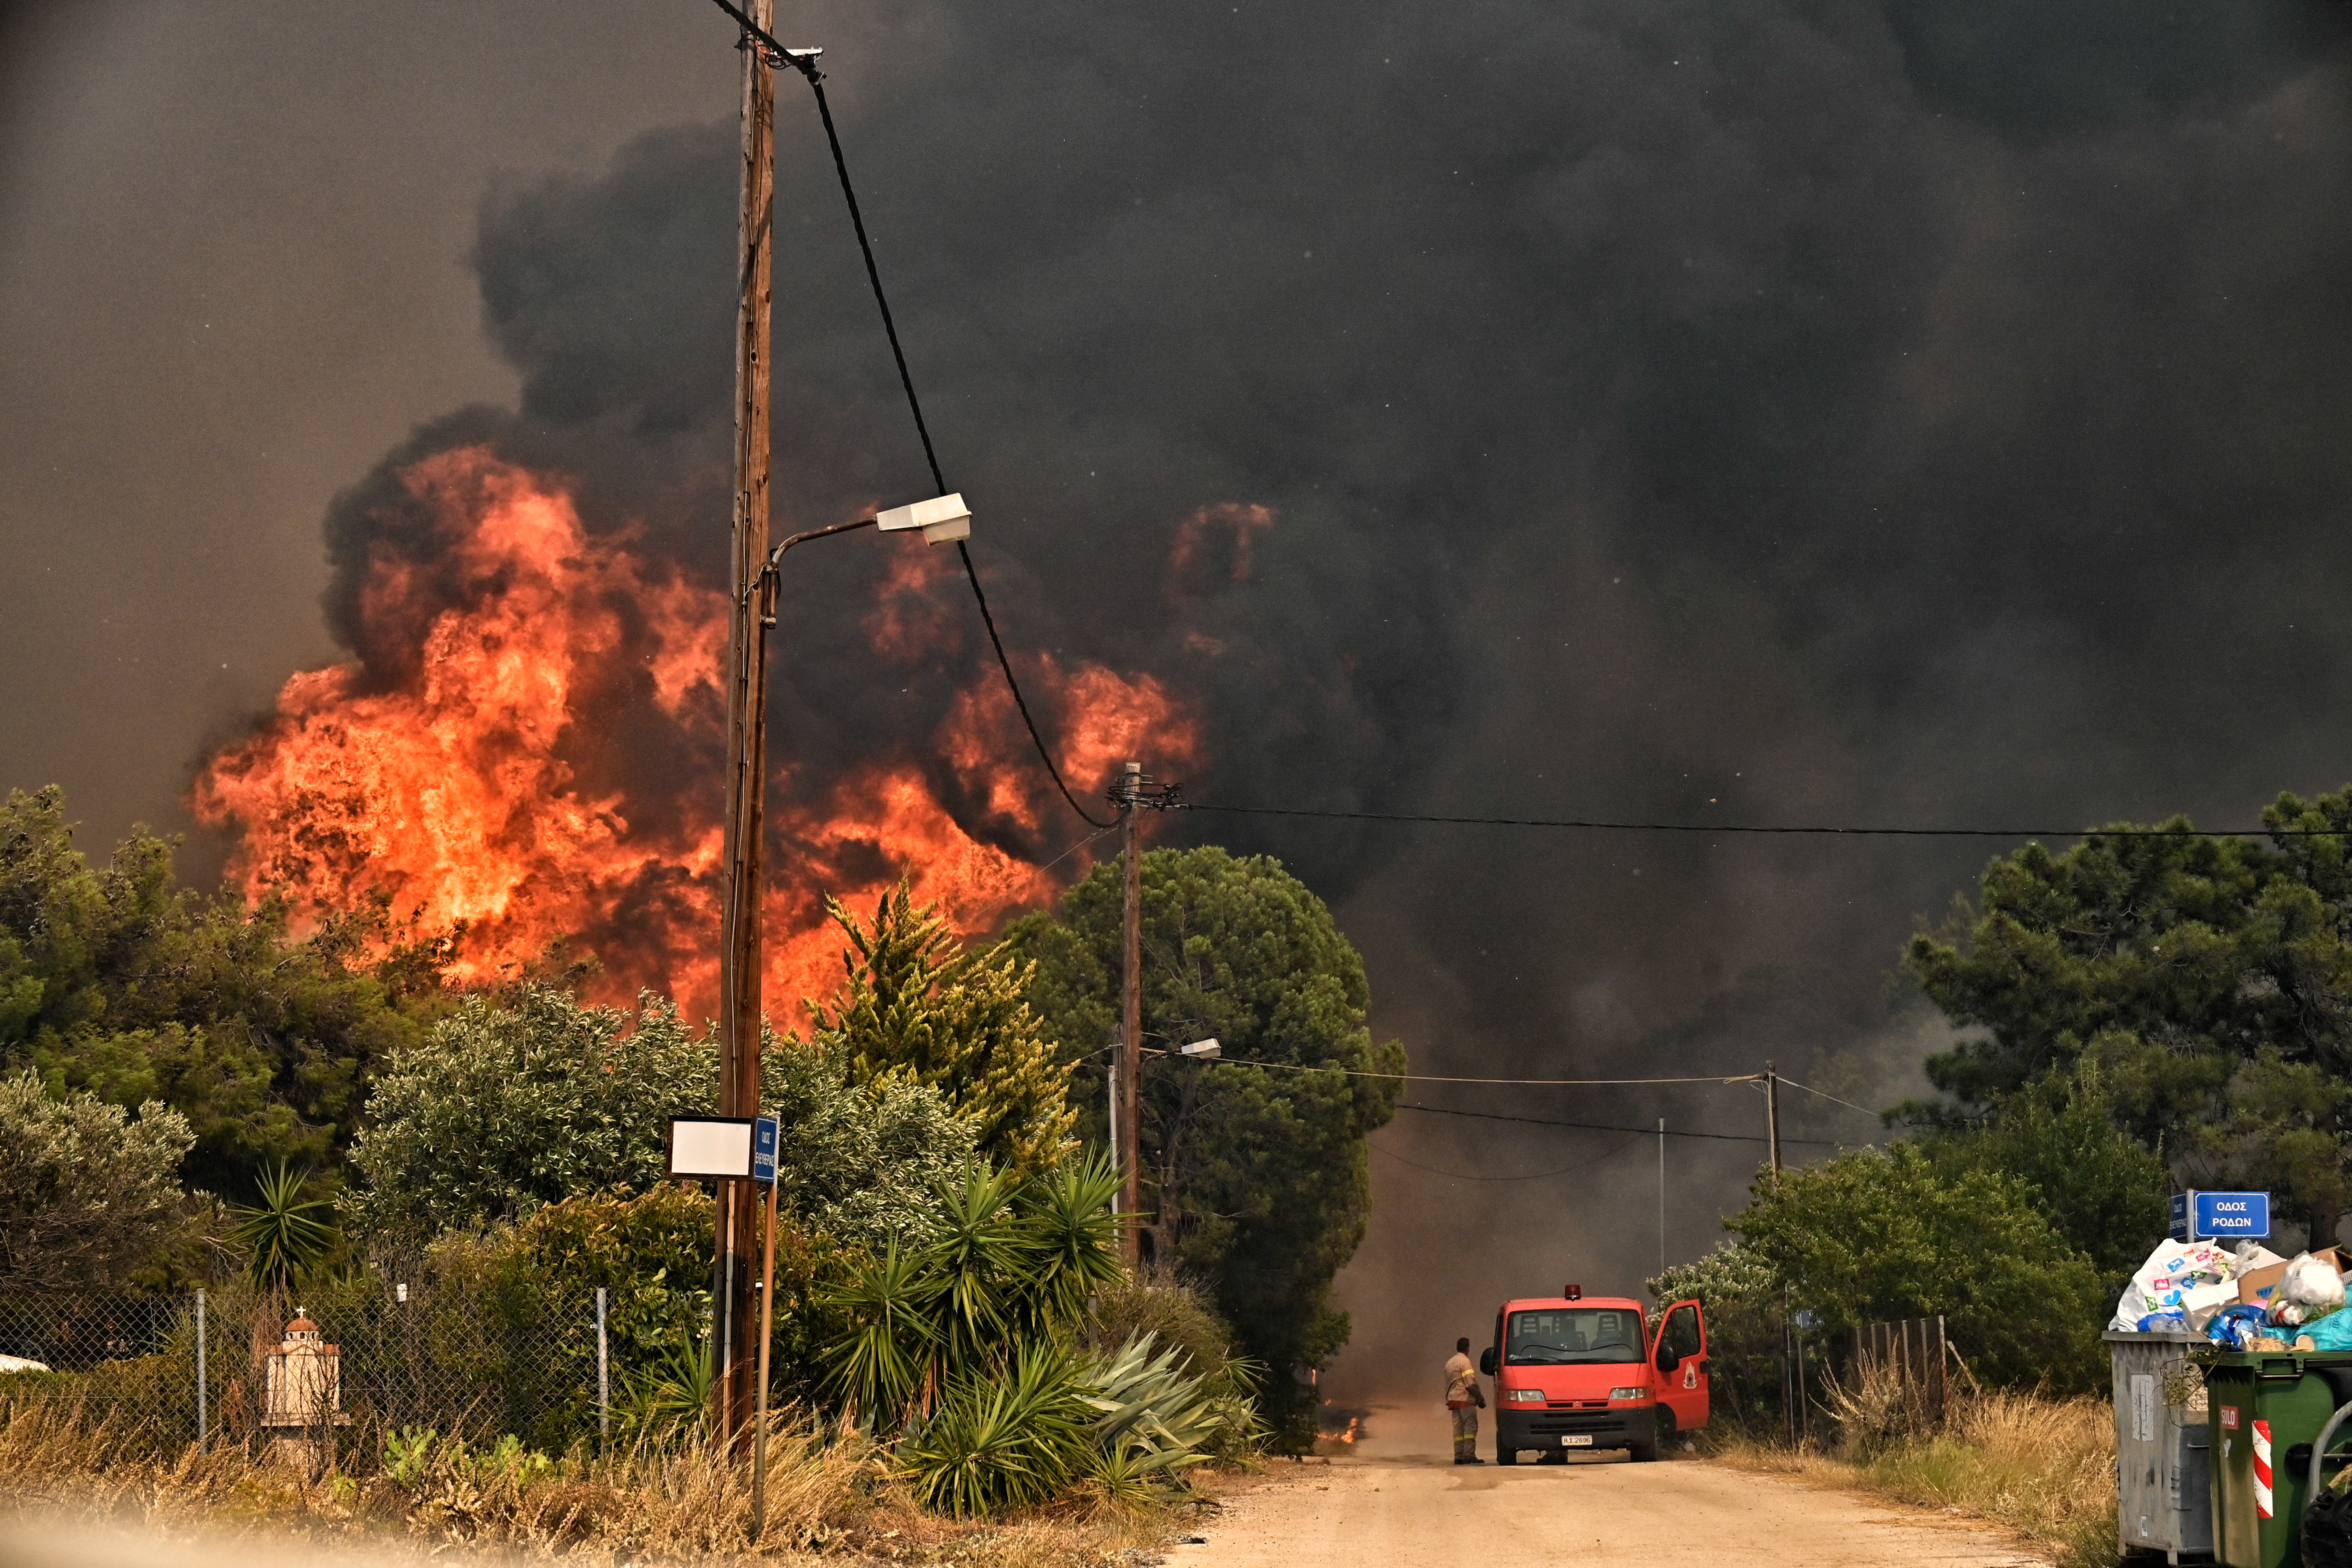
<point x="1832" y="1098"/>
<point x="1425" y="1078"/>
<point x="805" y="61"/>
<point x="1604" y="1126"/>
<point x="1808" y="830"/>
<point x="1532" y="1176"/>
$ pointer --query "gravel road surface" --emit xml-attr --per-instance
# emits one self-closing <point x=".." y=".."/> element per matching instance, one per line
<point x="1398" y="1501"/>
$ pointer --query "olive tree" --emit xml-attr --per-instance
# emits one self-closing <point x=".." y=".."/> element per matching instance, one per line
<point x="88" y="1193"/>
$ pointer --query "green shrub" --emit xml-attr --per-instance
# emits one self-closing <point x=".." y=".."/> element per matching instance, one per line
<point x="1013" y="1264"/>
<point x="1004" y="1437"/>
<point x="1875" y="1236"/>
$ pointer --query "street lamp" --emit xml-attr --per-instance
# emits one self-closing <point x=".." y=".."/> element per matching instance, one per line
<point x="943" y="520"/>
<point x="1206" y="1050"/>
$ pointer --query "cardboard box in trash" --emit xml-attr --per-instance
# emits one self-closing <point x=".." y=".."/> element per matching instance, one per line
<point x="2255" y="1285"/>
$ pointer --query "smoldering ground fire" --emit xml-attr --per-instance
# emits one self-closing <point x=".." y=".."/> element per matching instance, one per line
<point x="463" y="770"/>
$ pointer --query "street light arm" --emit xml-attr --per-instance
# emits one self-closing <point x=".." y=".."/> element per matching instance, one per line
<point x="764" y="585"/>
<point x="777" y="555"/>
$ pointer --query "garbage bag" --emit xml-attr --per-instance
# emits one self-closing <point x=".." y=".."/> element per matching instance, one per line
<point x="2172" y="1270"/>
<point x="2332" y="1332"/>
<point x="2236" y="1328"/>
<point x="2327" y="1530"/>
<point x="2311" y="1282"/>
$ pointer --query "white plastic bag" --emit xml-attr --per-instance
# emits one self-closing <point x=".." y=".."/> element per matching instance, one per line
<point x="2311" y="1283"/>
<point x="2173" y="1270"/>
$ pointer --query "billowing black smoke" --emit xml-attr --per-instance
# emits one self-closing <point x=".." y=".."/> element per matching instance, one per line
<point x="1740" y="412"/>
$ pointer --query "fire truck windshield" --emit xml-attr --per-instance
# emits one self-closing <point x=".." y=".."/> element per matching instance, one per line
<point x="1564" y="1336"/>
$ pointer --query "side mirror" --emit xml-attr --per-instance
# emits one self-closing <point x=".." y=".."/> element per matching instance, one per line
<point x="1668" y="1358"/>
<point x="1486" y="1361"/>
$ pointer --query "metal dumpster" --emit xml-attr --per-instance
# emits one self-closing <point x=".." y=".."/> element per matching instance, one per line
<point x="2267" y="1408"/>
<point x="2163" y="1483"/>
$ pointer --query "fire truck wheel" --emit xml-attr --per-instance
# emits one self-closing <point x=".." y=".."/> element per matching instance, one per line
<point x="1507" y="1456"/>
<point x="1643" y="1453"/>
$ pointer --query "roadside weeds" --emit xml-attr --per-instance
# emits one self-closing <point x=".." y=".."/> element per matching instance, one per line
<point x="831" y="1499"/>
<point x="2044" y="1468"/>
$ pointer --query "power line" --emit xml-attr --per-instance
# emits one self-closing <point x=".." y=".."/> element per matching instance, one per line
<point x="1832" y="1098"/>
<point x="1426" y="1077"/>
<point x="804" y="62"/>
<point x="1803" y="830"/>
<point x="1604" y="1127"/>
<point x="1534" y="1176"/>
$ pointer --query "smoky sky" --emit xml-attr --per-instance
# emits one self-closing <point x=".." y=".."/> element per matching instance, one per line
<point x="1718" y="412"/>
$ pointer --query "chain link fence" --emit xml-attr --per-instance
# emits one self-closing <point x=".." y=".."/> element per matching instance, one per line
<point x="383" y="1350"/>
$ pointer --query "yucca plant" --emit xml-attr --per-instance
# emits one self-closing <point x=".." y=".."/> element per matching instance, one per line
<point x="674" y="1393"/>
<point x="1073" y="1223"/>
<point x="287" y="1236"/>
<point x="986" y="1266"/>
<point x="1004" y="1438"/>
<point x="887" y="1359"/>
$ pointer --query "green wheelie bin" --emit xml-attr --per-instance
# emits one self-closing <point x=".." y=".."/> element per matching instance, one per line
<point x="2265" y="1409"/>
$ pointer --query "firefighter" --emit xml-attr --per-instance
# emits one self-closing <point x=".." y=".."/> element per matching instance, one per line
<point x="1464" y="1400"/>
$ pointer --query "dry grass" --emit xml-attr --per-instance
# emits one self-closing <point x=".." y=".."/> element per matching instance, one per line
<point x="831" y="1499"/>
<point x="2045" y="1467"/>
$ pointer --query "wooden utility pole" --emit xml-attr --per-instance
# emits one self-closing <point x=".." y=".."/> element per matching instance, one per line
<point x="1131" y="1022"/>
<point x="1793" y="1353"/>
<point x="740" y="955"/>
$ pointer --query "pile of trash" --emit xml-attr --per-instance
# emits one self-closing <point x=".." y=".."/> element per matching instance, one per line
<point x="2246" y="1299"/>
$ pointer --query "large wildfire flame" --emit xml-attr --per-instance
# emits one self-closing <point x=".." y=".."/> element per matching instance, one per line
<point x="475" y="785"/>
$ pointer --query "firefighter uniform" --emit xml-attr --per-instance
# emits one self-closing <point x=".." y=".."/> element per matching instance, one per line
<point x="1462" y="1401"/>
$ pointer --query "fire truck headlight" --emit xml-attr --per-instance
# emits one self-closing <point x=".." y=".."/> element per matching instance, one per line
<point x="1629" y="1394"/>
<point x="1529" y="1395"/>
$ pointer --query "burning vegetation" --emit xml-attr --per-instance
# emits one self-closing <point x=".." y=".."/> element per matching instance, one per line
<point x="481" y="762"/>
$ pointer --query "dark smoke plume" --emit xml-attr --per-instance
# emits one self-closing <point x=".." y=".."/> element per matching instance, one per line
<point x="1740" y="411"/>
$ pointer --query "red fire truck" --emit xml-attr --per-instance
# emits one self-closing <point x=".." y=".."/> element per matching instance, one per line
<point x="1575" y="1373"/>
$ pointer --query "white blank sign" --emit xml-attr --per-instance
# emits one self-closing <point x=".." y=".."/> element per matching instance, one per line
<point x="710" y="1146"/>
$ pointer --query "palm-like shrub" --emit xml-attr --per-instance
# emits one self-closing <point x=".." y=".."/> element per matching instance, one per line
<point x="1013" y="1264"/>
<point x="286" y="1236"/>
<point x="968" y="1349"/>
<point x="1004" y="1438"/>
<point x="886" y="1359"/>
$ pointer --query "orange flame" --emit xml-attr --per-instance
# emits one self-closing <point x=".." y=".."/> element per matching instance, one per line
<point x="470" y="788"/>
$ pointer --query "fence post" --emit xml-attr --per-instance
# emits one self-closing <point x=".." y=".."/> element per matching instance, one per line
<point x="603" y="1378"/>
<point x="202" y="1412"/>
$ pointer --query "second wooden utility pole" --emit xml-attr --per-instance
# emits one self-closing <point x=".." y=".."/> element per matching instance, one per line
<point x="735" y="1301"/>
<point x="1131" y="1021"/>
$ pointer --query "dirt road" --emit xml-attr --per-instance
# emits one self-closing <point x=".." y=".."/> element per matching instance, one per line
<point x="1398" y="1501"/>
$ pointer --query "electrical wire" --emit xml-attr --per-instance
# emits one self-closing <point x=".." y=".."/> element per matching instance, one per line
<point x="777" y="56"/>
<point x="1425" y="1078"/>
<point x="1832" y="1098"/>
<point x="1604" y="1127"/>
<point x="1768" y="828"/>
<point x="1074" y="848"/>
<point x="1533" y="1176"/>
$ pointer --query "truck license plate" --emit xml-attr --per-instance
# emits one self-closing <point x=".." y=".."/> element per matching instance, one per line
<point x="1584" y="1441"/>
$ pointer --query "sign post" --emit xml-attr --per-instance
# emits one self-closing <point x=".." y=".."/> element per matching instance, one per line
<point x="2220" y="1217"/>
<point x="763" y="1169"/>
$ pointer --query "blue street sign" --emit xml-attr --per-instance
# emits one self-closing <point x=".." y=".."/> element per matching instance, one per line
<point x="2214" y="1216"/>
<point x="763" y="1149"/>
